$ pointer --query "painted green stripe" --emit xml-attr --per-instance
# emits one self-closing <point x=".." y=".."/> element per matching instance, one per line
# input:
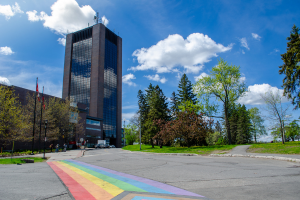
<point x="120" y="184"/>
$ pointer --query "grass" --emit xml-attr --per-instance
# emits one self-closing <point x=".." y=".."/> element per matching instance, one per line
<point x="18" y="160"/>
<point x="276" y="148"/>
<point x="202" y="150"/>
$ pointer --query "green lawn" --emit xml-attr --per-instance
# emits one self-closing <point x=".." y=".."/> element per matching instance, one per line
<point x="18" y="160"/>
<point x="276" y="148"/>
<point x="203" y="150"/>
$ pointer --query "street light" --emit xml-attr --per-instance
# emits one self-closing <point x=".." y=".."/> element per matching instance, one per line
<point x="46" y="122"/>
<point x="124" y="133"/>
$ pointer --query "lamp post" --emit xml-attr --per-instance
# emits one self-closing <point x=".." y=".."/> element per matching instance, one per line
<point x="46" y="122"/>
<point x="140" y="133"/>
<point x="124" y="133"/>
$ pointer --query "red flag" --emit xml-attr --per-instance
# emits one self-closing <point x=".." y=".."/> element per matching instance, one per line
<point x="37" y="89"/>
<point x="43" y="99"/>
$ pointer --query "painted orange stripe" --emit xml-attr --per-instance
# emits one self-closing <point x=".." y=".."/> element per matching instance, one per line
<point x="92" y="188"/>
<point x="74" y="187"/>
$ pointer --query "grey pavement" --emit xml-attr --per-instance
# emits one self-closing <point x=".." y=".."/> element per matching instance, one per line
<point x="36" y="180"/>
<point x="31" y="181"/>
<point x="217" y="178"/>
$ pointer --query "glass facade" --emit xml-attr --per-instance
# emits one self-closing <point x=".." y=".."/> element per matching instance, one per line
<point x="110" y="92"/>
<point x="81" y="71"/>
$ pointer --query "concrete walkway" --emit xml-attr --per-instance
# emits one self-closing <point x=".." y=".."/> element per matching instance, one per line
<point x="241" y="151"/>
<point x="56" y="156"/>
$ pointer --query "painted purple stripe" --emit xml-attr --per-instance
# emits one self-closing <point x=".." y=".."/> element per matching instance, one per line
<point x="157" y="184"/>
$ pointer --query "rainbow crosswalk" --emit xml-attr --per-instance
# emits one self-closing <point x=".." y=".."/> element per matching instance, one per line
<point x="87" y="181"/>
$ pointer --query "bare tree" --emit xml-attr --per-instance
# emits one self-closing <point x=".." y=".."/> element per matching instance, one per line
<point x="276" y="111"/>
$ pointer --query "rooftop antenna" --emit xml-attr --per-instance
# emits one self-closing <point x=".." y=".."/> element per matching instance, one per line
<point x="96" y="17"/>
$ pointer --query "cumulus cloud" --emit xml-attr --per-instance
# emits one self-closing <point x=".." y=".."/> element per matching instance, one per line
<point x="175" y="51"/>
<point x="6" y="50"/>
<point x="62" y="41"/>
<point x="156" y="78"/>
<point x="256" y="36"/>
<point x="127" y="79"/>
<point x="253" y="96"/>
<point x="104" y="20"/>
<point x="244" y="43"/>
<point x="197" y="78"/>
<point x="4" y="80"/>
<point x="9" y="11"/>
<point x="66" y="16"/>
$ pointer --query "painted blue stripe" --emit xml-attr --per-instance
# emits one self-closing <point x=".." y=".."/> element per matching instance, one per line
<point x="144" y="186"/>
<point x="149" y="198"/>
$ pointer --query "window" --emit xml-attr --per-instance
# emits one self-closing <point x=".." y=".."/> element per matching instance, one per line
<point x="94" y="129"/>
<point x="92" y="122"/>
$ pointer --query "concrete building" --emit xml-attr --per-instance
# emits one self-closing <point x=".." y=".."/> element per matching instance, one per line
<point x="93" y="76"/>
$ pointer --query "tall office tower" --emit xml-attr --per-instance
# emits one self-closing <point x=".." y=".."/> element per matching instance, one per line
<point x="93" y="76"/>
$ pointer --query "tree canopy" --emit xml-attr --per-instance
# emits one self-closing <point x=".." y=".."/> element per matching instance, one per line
<point x="291" y="67"/>
<point x="223" y="83"/>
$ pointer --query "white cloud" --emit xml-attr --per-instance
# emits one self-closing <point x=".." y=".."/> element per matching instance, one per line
<point x="243" y="52"/>
<point x="4" y="80"/>
<point x="242" y="79"/>
<point x="200" y="76"/>
<point x="244" y="43"/>
<point x="127" y="79"/>
<point x="175" y="51"/>
<point x="127" y="116"/>
<point x="62" y="41"/>
<point x="156" y="78"/>
<point x="66" y="17"/>
<point x="256" y="36"/>
<point x="104" y="20"/>
<point x="9" y="11"/>
<point x="253" y="96"/>
<point x="32" y="16"/>
<point x="275" y="51"/>
<point x="6" y="50"/>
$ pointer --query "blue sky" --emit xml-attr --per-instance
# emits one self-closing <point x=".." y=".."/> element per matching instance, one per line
<point x="161" y="41"/>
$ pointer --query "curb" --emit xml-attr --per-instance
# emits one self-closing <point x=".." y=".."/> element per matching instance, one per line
<point x="253" y="156"/>
<point x="169" y="154"/>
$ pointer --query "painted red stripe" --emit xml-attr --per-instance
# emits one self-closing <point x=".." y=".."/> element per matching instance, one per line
<point x="75" y="188"/>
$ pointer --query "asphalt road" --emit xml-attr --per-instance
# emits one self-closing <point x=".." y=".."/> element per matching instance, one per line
<point x="215" y="178"/>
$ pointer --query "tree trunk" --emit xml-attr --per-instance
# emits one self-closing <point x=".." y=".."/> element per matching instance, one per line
<point x="227" y="124"/>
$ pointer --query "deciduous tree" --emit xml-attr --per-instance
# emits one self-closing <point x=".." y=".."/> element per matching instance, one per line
<point x="258" y="128"/>
<point x="224" y="84"/>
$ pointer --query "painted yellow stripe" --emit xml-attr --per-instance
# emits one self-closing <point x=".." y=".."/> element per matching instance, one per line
<point x="93" y="189"/>
<point x="110" y="188"/>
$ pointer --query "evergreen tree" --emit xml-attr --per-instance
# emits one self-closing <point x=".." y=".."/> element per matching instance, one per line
<point x="174" y="105"/>
<point x="291" y="67"/>
<point x="243" y="126"/>
<point x="185" y="91"/>
<point x="143" y="112"/>
<point x="158" y="109"/>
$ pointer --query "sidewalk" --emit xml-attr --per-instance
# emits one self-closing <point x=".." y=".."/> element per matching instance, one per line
<point x="241" y="151"/>
<point x="56" y="156"/>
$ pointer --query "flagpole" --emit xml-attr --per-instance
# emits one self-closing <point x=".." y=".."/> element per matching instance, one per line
<point x="41" y="120"/>
<point x="34" y="119"/>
